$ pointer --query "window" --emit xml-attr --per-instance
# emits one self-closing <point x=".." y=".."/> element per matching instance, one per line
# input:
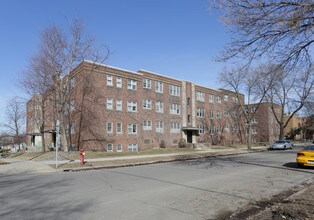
<point x="131" y="84"/>
<point x="200" y="96"/>
<point x="159" y="87"/>
<point x="218" y="99"/>
<point x="72" y="125"/>
<point x="147" y="125"/>
<point x="72" y="82"/>
<point x="147" y="104"/>
<point x="119" y="105"/>
<point x="159" y="126"/>
<point x="211" y="99"/>
<point x="132" y="147"/>
<point x="211" y="130"/>
<point x="254" y="131"/>
<point x="226" y="113"/>
<point x="159" y="107"/>
<point x="188" y="101"/>
<point x="211" y="114"/>
<point x="254" y="120"/>
<point x="132" y="129"/>
<point x="132" y="106"/>
<point x="147" y="83"/>
<point x="200" y="112"/>
<point x="201" y="129"/>
<point x="253" y="110"/>
<point x="119" y="82"/>
<point x="175" y="109"/>
<point x="174" y="90"/>
<point x="109" y="127"/>
<point x="219" y="130"/>
<point x="72" y="105"/>
<point x="109" y="80"/>
<point x="219" y="114"/>
<point x="227" y="126"/>
<point x="226" y="98"/>
<point x="175" y="127"/>
<point x="119" y="128"/>
<point x="119" y="147"/>
<point x="109" y="148"/>
<point x="109" y="104"/>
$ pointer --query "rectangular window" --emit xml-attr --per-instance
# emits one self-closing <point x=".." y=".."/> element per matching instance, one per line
<point x="211" y="98"/>
<point x="201" y="129"/>
<point x="72" y="128"/>
<point x="109" y="104"/>
<point x="132" y="106"/>
<point x="226" y="113"/>
<point x="119" y="82"/>
<point x="211" y="114"/>
<point x="254" y="130"/>
<point x="132" y="129"/>
<point x="254" y="120"/>
<point x="159" y="107"/>
<point x="175" y="127"/>
<point x="147" y="125"/>
<point x="72" y="82"/>
<point x="227" y="126"/>
<point x="132" y="147"/>
<point x="147" y="83"/>
<point x="253" y="110"/>
<point x="200" y="96"/>
<point x="174" y="90"/>
<point x="175" y="109"/>
<point x="218" y="99"/>
<point x="119" y="147"/>
<point x="200" y="112"/>
<point x="226" y="98"/>
<point x="147" y="104"/>
<point x="109" y="80"/>
<point x="159" y="87"/>
<point x="119" y="105"/>
<point x="72" y="105"/>
<point x="109" y="127"/>
<point x="159" y="126"/>
<point x="131" y="84"/>
<point x="119" y="128"/>
<point x="219" y="114"/>
<point x="211" y="130"/>
<point x="109" y="147"/>
<point x="219" y="130"/>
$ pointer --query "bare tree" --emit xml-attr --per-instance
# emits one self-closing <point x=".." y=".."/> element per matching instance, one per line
<point x="281" y="31"/>
<point x="60" y="52"/>
<point x="15" y="119"/>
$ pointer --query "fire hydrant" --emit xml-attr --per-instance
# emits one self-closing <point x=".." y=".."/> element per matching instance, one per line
<point x="82" y="154"/>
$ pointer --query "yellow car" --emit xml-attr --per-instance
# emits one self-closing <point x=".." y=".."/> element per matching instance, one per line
<point x="305" y="157"/>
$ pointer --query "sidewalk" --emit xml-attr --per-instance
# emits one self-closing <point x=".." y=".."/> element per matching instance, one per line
<point x="19" y="166"/>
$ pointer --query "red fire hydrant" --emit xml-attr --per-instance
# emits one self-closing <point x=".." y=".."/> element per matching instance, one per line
<point x="82" y="154"/>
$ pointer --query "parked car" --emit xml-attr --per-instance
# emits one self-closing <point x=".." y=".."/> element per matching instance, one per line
<point x="305" y="157"/>
<point x="281" y="145"/>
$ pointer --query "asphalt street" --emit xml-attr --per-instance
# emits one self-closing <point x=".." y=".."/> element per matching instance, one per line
<point x="196" y="189"/>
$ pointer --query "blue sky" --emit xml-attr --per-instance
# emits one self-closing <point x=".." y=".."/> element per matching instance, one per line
<point x="177" y="38"/>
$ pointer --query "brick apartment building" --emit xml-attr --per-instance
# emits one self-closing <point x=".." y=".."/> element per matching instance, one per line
<point x="118" y="110"/>
<point x="264" y="126"/>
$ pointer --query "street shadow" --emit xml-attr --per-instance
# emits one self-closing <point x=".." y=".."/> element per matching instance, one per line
<point x="295" y="165"/>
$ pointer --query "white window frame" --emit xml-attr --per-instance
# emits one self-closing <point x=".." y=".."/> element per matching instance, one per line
<point x="119" y="147"/>
<point x="159" y="107"/>
<point x="132" y="147"/>
<point x="159" y="87"/>
<point x="132" y="84"/>
<point x="201" y="129"/>
<point x="200" y="96"/>
<point x="109" y="80"/>
<point x="175" y="127"/>
<point x="132" y="106"/>
<point x="175" y="90"/>
<point x="119" y="128"/>
<point x="174" y="109"/>
<point x="200" y="112"/>
<point x="211" y="114"/>
<point x="226" y="98"/>
<point x="211" y="98"/>
<point x="110" y="149"/>
<point x="218" y="99"/>
<point x="147" y="83"/>
<point x="109" y="104"/>
<point x="119" y="82"/>
<point x="159" y="126"/>
<point x="132" y="128"/>
<point x="119" y="104"/>
<point x="147" y="104"/>
<point x="219" y="114"/>
<point x="147" y="125"/>
<point x="109" y="129"/>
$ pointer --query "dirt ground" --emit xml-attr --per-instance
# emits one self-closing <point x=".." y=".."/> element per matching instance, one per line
<point x="297" y="204"/>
